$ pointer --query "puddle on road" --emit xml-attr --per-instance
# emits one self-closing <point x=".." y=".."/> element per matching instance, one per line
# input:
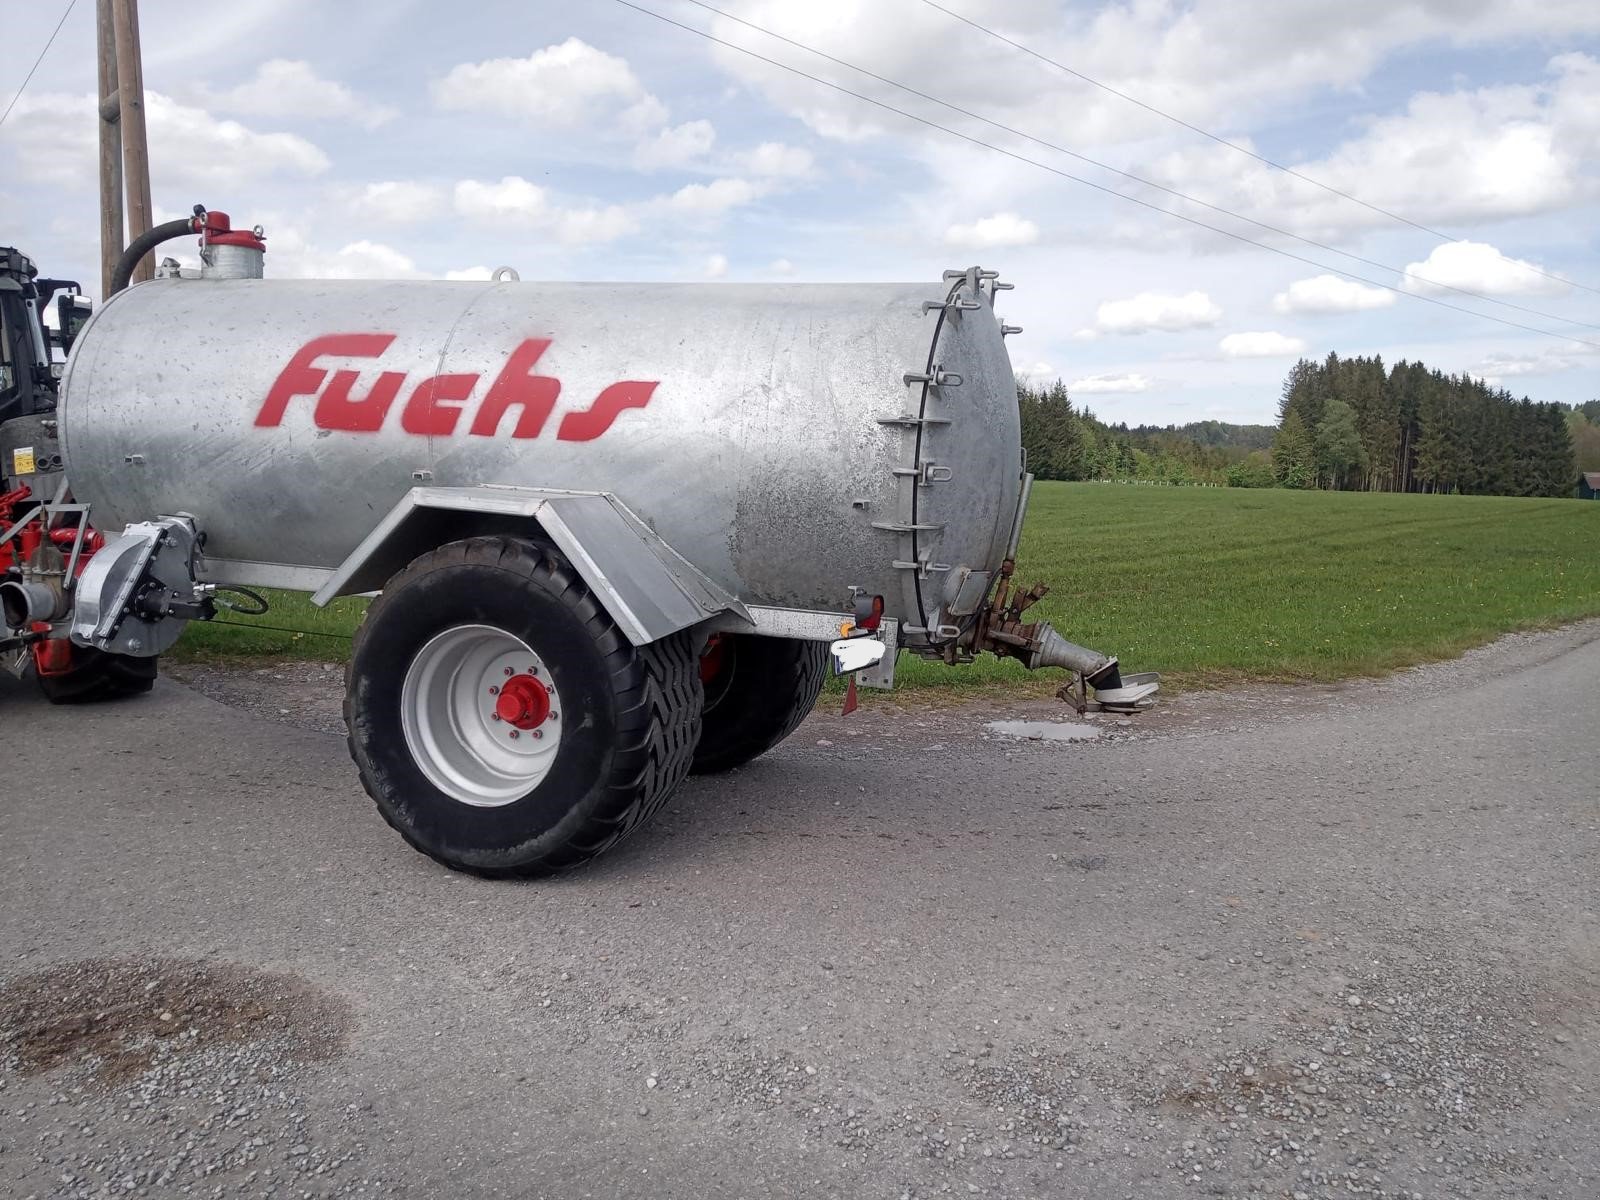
<point x="1044" y="731"/>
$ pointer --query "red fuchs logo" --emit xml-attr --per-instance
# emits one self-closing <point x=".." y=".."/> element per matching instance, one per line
<point x="436" y="405"/>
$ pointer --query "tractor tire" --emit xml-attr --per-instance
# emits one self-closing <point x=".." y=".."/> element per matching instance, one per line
<point x="757" y="695"/>
<point x="93" y="675"/>
<point x="500" y="720"/>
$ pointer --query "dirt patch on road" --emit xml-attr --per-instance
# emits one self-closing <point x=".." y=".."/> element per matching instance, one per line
<point x="307" y="695"/>
<point x="117" y="1014"/>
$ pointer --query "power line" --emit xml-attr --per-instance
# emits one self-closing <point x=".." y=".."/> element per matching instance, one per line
<point x="1140" y="179"/>
<point x="1099" y="187"/>
<point x="1222" y="141"/>
<point x="29" y="77"/>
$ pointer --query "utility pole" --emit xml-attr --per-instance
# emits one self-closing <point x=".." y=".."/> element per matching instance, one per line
<point x="110" y="116"/>
<point x="135" y="150"/>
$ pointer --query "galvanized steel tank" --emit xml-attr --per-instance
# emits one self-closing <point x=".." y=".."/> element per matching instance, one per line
<point x="781" y="448"/>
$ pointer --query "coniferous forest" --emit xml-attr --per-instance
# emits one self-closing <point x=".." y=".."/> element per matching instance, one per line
<point x="1349" y="424"/>
<point x="1345" y="423"/>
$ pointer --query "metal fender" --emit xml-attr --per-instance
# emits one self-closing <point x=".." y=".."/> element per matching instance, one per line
<point x="648" y="589"/>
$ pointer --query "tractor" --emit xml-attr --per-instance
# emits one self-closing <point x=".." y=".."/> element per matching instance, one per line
<point x="45" y="538"/>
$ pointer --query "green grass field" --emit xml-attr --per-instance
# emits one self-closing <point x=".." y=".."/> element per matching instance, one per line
<point x="1210" y="585"/>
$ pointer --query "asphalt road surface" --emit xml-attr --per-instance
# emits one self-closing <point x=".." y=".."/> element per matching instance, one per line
<point x="1295" y="943"/>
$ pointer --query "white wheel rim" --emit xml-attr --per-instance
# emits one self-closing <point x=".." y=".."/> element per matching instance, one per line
<point x="472" y="715"/>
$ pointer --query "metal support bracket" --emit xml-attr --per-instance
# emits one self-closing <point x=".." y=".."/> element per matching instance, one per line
<point x="938" y="378"/>
<point x="907" y="527"/>
<point x="939" y="633"/>
<point x="929" y="473"/>
<point x="923" y="567"/>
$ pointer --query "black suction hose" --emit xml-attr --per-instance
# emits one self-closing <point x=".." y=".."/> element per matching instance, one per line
<point x="148" y="241"/>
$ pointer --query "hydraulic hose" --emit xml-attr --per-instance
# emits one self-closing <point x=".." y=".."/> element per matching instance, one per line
<point x="148" y="241"/>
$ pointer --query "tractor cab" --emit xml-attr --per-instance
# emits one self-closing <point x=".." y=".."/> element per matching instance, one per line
<point x="29" y="366"/>
<point x="32" y="356"/>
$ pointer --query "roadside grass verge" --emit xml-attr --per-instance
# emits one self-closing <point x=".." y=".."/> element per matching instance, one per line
<point x="1211" y="585"/>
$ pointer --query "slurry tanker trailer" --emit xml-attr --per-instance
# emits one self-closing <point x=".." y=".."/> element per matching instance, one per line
<point x="618" y="532"/>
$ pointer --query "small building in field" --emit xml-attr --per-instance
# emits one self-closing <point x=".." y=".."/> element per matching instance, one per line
<point x="1589" y="485"/>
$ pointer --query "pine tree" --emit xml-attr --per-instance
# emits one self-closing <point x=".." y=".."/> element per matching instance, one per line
<point x="1340" y="456"/>
<point x="1293" y="457"/>
<point x="1405" y="386"/>
<point x="1378" y="421"/>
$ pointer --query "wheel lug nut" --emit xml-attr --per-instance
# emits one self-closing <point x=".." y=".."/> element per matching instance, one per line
<point x="495" y="716"/>
<point x="494" y="691"/>
<point x="537" y="734"/>
<point x="515" y="734"/>
<point x="533" y="670"/>
<point x="509" y="672"/>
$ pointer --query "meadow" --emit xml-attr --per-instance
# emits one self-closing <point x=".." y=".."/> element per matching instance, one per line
<point x="1215" y="585"/>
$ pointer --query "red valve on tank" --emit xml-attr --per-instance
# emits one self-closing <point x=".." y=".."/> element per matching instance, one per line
<point x="219" y="231"/>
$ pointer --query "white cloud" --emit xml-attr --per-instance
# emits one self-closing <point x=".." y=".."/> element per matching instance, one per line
<point x="55" y="143"/>
<point x="1497" y="367"/>
<point x="285" y="87"/>
<point x="675" y="147"/>
<point x="512" y="197"/>
<point x="1322" y="295"/>
<point x="1155" y="311"/>
<point x="1477" y="267"/>
<point x="716" y="266"/>
<point x="1110" y="384"/>
<point x="369" y="260"/>
<point x="781" y="266"/>
<point x="291" y="255"/>
<point x="776" y="158"/>
<point x="986" y="233"/>
<point x="1491" y="153"/>
<point x="1037" y="370"/>
<point x="715" y="198"/>
<point x="470" y="274"/>
<point x="397" y="202"/>
<point x="1265" y="344"/>
<point x="571" y="85"/>
<point x="514" y="200"/>
<point x="1210" y="62"/>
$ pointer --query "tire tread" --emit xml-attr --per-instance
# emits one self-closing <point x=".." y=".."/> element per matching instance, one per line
<point x="783" y="677"/>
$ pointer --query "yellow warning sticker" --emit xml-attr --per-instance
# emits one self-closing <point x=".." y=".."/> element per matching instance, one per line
<point x="22" y="461"/>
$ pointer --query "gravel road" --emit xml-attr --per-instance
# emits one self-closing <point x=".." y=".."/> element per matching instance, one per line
<point x="1292" y="943"/>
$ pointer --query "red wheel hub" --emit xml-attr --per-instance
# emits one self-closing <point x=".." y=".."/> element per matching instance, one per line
<point x="524" y="702"/>
<point x="712" y="658"/>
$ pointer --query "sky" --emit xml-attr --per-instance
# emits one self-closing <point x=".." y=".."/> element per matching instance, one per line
<point x="590" y="140"/>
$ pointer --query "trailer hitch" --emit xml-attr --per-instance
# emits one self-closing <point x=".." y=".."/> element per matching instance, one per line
<point x="135" y="595"/>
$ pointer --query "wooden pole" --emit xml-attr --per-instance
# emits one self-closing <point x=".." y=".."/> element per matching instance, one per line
<point x="110" y="114"/>
<point x="135" y="150"/>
